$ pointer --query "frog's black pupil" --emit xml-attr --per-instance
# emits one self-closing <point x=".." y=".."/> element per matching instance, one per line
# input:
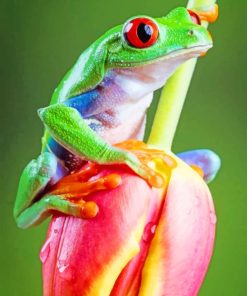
<point x="144" y="32"/>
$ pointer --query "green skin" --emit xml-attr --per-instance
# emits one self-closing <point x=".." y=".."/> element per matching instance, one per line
<point x="66" y="125"/>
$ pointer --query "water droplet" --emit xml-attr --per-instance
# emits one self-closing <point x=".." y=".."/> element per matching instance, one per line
<point x="62" y="265"/>
<point x="149" y="232"/>
<point x="45" y="251"/>
<point x="65" y="270"/>
<point x="196" y="201"/>
<point x="153" y="228"/>
<point x="213" y="218"/>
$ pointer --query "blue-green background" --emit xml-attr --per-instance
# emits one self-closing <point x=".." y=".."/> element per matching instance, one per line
<point x="40" y="40"/>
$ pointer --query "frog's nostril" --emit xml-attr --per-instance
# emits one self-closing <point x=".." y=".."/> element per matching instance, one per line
<point x="191" y="32"/>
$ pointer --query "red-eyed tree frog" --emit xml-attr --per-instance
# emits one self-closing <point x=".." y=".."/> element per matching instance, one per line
<point x="103" y="100"/>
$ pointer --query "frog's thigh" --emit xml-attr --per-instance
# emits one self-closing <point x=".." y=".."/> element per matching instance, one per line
<point x="35" y="177"/>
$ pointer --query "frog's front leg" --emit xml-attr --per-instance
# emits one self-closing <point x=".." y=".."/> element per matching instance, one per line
<point x="69" y="129"/>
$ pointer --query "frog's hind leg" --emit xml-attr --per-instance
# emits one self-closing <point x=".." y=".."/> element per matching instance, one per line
<point x="43" y="208"/>
<point x="39" y="196"/>
<point x="34" y="179"/>
<point x="207" y="160"/>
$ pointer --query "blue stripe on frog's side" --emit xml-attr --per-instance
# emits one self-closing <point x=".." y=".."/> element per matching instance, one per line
<point x="83" y="102"/>
<point x="96" y="100"/>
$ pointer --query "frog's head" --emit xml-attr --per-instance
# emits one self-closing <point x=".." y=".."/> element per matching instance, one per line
<point x="146" y="50"/>
<point x="143" y="40"/>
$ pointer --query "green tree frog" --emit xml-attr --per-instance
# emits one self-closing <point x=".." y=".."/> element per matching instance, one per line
<point x="103" y="100"/>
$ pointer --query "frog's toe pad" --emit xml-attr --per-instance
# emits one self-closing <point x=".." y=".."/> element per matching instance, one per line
<point x="143" y="160"/>
<point x="88" y="210"/>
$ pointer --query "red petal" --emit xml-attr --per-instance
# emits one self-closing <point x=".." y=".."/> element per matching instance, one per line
<point x="85" y="257"/>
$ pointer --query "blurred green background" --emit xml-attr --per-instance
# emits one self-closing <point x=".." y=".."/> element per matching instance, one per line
<point x="40" y="40"/>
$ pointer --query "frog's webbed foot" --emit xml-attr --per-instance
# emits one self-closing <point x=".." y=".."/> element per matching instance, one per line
<point x="142" y="158"/>
<point x="204" y="161"/>
<point x="209" y="16"/>
<point x="75" y="187"/>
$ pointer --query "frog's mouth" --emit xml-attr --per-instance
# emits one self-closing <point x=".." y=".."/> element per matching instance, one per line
<point x="140" y="79"/>
<point x="184" y="54"/>
<point x="191" y="52"/>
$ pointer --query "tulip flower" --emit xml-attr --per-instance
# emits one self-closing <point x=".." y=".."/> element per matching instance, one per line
<point x="140" y="240"/>
<point x="143" y="241"/>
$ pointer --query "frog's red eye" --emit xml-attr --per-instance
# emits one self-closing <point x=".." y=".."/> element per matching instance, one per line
<point x="194" y="17"/>
<point x="141" y="32"/>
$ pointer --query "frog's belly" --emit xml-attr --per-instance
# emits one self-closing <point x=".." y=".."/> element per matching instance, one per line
<point x="122" y="122"/>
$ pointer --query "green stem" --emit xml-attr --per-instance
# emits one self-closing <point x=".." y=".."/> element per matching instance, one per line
<point x="173" y="95"/>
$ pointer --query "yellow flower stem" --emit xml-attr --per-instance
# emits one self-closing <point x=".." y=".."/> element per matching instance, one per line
<point x="174" y="93"/>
